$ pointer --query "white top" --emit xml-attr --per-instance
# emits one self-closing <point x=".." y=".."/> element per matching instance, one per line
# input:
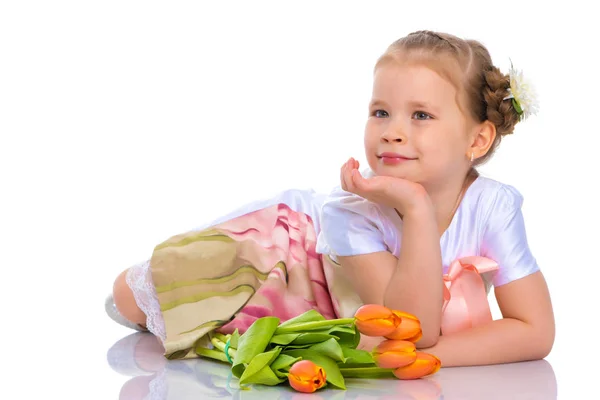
<point x="487" y="223"/>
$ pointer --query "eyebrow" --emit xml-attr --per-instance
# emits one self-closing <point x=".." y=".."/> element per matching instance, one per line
<point x="413" y="103"/>
<point x="421" y="104"/>
<point x="377" y="102"/>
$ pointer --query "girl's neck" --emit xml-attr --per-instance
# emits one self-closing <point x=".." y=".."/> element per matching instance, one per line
<point x="447" y="197"/>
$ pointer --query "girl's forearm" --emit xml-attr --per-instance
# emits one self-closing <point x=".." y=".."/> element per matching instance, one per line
<point x="501" y="341"/>
<point x="416" y="284"/>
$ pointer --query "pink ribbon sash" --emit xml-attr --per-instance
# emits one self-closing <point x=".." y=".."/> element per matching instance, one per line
<point x="465" y="299"/>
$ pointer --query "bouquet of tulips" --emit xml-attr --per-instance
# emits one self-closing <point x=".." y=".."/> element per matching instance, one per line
<point x="309" y="351"/>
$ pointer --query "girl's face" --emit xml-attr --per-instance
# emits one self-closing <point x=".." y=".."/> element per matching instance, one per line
<point x="415" y="129"/>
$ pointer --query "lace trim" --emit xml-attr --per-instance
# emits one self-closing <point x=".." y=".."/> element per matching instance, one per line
<point x="139" y="279"/>
<point x="158" y="388"/>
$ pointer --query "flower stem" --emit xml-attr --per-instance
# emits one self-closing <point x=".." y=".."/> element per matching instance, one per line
<point x="366" y="372"/>
<point x="214" y="354"/>
<point x="218" y="344"/>
<point x="222" y="337"/>
<point x="314" y="325"/>
<point x="221" y="346"/>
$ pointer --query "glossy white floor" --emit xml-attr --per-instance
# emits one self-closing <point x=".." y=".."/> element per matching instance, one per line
<point x="147" y="375"/>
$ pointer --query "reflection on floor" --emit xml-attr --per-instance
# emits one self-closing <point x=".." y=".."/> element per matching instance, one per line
<point x="153" y="377"/>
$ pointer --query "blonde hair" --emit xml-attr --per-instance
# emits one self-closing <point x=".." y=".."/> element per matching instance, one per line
<point x="468" y="66"/>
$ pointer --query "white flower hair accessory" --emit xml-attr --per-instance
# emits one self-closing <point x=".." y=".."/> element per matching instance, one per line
<point x="522" y="93"/>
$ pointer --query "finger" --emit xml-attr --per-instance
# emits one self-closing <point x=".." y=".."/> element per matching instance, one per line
<point x="347" y="164"/>
<point x="359" y="182"/>
<point x="345" y="173"/>
<point x="350" y="187"/>
<point x="353" y="165"/>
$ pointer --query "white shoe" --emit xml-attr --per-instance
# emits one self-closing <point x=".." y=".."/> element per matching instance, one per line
<point x="116" y="316"/>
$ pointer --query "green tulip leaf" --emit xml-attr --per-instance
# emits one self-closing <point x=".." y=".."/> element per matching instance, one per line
<point x="282" y="364"/>
<point x="259" y="371"/>
<point x="234" y="340"/>
<point x="288" y="338"/>
<point x="330" y="348"/>
<point x="347" y="336"/>
<point x="299" y="346"/>
<point x="341" y="328"/>
<point x="253" y="342"/>
<point x="357" y="357"/>
<point x="284" y="339"/>
<point x="309" y="316"/>
<point x="302" y="339"/>
<point x="372" y="372"/>
<point x="311" y="338"/>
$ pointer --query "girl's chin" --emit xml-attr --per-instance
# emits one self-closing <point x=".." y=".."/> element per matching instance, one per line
<point x="396" y="172"/>
<point x="407" y="170"/>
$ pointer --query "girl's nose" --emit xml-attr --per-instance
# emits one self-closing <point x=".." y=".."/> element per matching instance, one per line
<point x="393" y="136"/>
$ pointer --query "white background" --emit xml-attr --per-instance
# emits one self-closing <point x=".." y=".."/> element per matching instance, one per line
<point x="124" y="122"/>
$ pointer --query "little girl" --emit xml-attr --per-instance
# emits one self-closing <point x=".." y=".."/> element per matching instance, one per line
<point x="418" y="230"/>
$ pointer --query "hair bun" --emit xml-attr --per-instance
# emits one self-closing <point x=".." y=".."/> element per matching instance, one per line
<point x="500" y="112"/>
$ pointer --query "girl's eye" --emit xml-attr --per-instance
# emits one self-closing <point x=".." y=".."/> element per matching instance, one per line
<point x="421" y="115"/>
<point x="380" y="113"/>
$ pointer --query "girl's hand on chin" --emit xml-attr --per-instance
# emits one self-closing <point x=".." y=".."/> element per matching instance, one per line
<point x="401" y="194"/>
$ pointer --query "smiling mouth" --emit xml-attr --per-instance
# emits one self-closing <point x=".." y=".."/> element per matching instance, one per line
<point x="393" y="158"/>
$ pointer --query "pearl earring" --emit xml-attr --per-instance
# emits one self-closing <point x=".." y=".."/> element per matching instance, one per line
<point x="472" y="155"/>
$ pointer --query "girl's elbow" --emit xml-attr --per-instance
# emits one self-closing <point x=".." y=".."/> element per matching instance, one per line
<point x="545" y="345"/>
<point x="542" y="342"/>
<point x="428" y="340"/>
<point x="539" y="352"/>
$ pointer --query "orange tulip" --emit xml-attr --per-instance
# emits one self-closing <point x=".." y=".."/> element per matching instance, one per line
<point x="425" y="364"/>
<point x="394" y="353"/>
<point x="376" y="320"/>
<point x="307" y="377"/>
<point x="409" y="329"/>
